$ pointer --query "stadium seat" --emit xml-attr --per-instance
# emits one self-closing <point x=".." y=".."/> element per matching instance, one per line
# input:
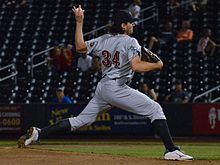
<point x="42" y="24"/>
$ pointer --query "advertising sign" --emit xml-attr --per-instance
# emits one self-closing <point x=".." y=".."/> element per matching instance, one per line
<point x="10" y="118"/>
<point x="206" y="119"/>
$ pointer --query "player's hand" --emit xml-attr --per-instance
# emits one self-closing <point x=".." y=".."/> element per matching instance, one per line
<point x="79" y="13"/>
<point x="160" y="64"/>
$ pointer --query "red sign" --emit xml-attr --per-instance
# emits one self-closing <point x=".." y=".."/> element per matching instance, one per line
<point x="206" y="119"/>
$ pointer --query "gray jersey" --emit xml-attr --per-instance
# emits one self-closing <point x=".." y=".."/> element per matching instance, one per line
<point x="115" y="52"/>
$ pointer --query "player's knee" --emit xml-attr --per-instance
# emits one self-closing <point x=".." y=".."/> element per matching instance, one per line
<point x="158" y="107"/>
<point x="158" y="112"/>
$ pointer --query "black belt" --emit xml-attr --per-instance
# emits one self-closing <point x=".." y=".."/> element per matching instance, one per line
<point x="127" y="83"/>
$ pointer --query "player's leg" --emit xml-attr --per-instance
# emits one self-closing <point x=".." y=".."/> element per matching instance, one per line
<point x="89" y="114"/>
<point x="134" y="101"/>
<point x="86" y="117"/>
<point x="34" y="134"/>
<point x="131" y="100"/>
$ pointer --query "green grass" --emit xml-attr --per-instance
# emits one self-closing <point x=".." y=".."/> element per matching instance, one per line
<point x="5" y="143"/>
<point x="137" y="151"/>
<point x="151" y="149"/>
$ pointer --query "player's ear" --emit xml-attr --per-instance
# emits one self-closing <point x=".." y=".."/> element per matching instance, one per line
<point x="123" y="26"/>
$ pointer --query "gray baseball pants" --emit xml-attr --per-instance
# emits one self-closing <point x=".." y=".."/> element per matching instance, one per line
<point x="116" y="93"/>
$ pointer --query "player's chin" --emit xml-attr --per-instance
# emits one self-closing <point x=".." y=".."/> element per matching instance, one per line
<point x="130" y="32"/>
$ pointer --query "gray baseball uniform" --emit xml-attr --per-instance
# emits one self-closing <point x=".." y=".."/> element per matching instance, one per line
<point x="116" y="52"/>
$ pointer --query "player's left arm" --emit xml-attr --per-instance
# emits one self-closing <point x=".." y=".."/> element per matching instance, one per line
<point x="138" y="65"/>
<point x="79" y="39"/>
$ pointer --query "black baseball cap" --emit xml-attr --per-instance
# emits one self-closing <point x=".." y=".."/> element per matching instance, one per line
<point x="122" y="16"/>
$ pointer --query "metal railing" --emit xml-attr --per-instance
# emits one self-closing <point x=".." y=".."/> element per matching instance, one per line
<point x="209" y="94"/>
<point x="13" y="73"/>
<point x="183" y="4"/>
<point x="97" y="29"/>
<point x="44" y="61"/>
<point x="148" y="18"/>
<point x="154" y="15"/>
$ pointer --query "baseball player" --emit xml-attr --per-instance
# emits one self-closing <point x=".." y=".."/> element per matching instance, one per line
<point x="120" y="58"/>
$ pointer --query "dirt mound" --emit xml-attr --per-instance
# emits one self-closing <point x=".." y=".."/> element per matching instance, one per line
<point x="15" y="156"/>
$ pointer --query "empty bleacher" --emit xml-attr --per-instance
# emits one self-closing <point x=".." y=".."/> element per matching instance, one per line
<point x="26" y="30"/>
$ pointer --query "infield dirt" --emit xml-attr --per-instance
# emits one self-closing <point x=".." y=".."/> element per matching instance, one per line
<point x="38" y="156"/>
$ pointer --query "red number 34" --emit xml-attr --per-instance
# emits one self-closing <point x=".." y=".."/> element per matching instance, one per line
<point x="108" y="60"/>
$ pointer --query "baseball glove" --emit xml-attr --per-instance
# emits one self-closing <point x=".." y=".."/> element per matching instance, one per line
<point x="149" y="56"/>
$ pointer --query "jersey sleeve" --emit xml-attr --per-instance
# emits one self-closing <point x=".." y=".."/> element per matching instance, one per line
<point x="134" y="49"/>
<point x="92" y="45"/>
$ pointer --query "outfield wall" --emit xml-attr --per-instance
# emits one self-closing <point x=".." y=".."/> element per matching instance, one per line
<point x="183" y="120"/>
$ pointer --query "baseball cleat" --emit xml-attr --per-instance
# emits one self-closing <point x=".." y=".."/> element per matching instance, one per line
<point x="177" y="155"/>
<point x="32" y="135"/>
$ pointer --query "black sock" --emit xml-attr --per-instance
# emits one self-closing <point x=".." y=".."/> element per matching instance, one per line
<point x="160" y="127"/>
<point x="61" y="126"/>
